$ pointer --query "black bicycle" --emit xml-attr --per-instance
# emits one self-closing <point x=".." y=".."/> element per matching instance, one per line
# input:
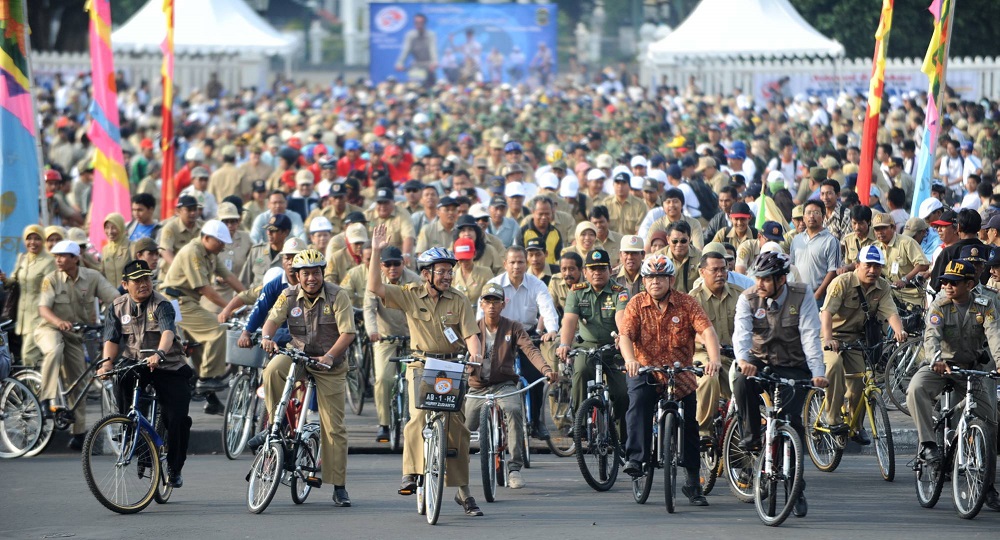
<point x="595" y="435"/>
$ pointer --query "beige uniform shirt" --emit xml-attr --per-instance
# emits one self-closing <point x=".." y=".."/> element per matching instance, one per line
<point x="193" y="269"/>
<point x="902" y="254"/>
<point x="559" y="290"/>
<point x="330" y="213"/>
<point x="612" y="244"/>
<point x="721" y="310"/>
<point x="233" y="258"/>
<point x="113" y="260"/>
<point x="434" y="235"/>
<point x="250" y="212"/>
<point x="697" y="231"/>
<point x="355" y="283"/>
<point x="851" y="245"/>
<point x="338" y="265"/>
<point x="257" y="262"/>
<point x="960" y="336"/>
<point x="174" y="236"/>
<point x="747" y="252"/>
<point x="29" y="272"/>
<point x="429" y="320"/>
<point x="389" y="322"/>
<point x="471" y="285"/>
<point x="844" y="303"/>
<point x="398" y="226"/>
<point x="248" y="174"/>
<point x="226" y="181"/>
<point x="73" y="300"/>
<point x="626" y="216"/>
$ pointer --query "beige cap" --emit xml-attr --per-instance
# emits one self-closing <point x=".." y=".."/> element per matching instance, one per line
<point x="798" y="212"/>
<point x="604" y="161"/>
<point x="77" y="236"/>
<point x="850" y="168"/>
<point x="292" y="246"/>
<point x="304" y="176"/>
<point x="881" y="219"/>
<point x="830" y="162"/>
<point x="632" y="244"/>
<point x="227" y="210"/>
<point x="356" y="233"/>
<point x="705" y="163"/>
<point x="716" y="247"/>
<point x="913" y="226"/>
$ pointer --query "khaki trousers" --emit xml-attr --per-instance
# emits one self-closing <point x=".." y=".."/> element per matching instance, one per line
<point x="456" y="468"/>
<point x="31" y="355"/>
<point x="512" y="409"/>
<point x="838" y="366"/>
<point x="331" y="391"/>
<point x="926" y="386"/>
<point x="709" y="391"/>
<point x="201" y="326"/>
<point x="63" y="357"/>
<point x="385" y="379"/>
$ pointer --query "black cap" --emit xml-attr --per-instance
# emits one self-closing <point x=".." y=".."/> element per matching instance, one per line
<point x="135" y="270"/>
<point x="447" y="201"/>
<point x="974" y="253"/>
<point x="259" y="186"/>
<point x="597" y="257"/>
<point x="337" y="189"/>
<point x="949" y="217"/>
<point x="187" y="201"/>
<point x="958" y="270"/>
<point x="741" y="209"/>
<point x="355" y="217"/>
<point x="391" y="253"/>
<point x="413" y="185"/>
<point x="772" y="231"/>
<point x="279" y="222"/>
<point x="384" y="195"/>
<point x="466" y="220"/>
<point x="994" y="259"/>
<point x="535" y="243"/>
<point x="622" y="177"/>
<point x="498" y="201"/>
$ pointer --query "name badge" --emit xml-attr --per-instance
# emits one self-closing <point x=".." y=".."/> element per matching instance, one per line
<point x="451" y="335"/>
<point x="229" y="265"/>
<point x="895" y="268"/>
<point x="982" y="301"/>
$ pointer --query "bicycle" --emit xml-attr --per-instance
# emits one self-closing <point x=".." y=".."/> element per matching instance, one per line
<point x="826" y="448"/>
<point x="289" y="435"/>
<point x="443" y="385"/>
<point x="900" y="369"/>
<point x="668" y="438"/>
<point x="240" y="416"/>
<point x="710" y="454"/>
<point x="127" y="440"/>
<point x="494" y="449"/>
<point x="359" y="361"/>
<point x="20" y="411"/>
<point x="558" y="412"/>
<point x="399" y="408"/>
<point x="966" y="450"/>
<point x="594" y="432"/>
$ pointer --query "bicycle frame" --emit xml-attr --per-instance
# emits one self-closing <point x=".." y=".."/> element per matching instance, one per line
<point x="953" y="440"/>
<point x="292" y="412"/>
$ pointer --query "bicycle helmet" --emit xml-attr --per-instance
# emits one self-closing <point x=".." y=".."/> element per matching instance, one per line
<point x="433" y="256"/>
<point x="770" y="263"/>
<point x="310" y="258"/>
<point x="657" y="265"/>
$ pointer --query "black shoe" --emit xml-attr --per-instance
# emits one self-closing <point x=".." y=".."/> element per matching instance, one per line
<point x="212" y="384"/>
<point x="801" y="507"/>
<point x="213" y="405"/>
<point x="750" y="443"/>
<point x="408" y="486"/>
<point x="694" y="495"/>
<point x="470" y="506"/>
<point x="861" y="437"/>
<point x="930" y="453"/>
<point x="383" y="434"/>
<point x="174" y="480"/>
<point x="993" y="500"/>
<point x="633" y="468"/>
<point x="541" y="432"/>
<point x="46" y="406"/>
<point x="76" y="443"/>
<point x="340" y="497"/>
<point x="257" y="441"/>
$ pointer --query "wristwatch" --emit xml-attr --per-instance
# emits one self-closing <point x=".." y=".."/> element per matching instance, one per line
<point x="265" y="337"/>
<point x="561" y="345"/>
<point x="161" y="354"/>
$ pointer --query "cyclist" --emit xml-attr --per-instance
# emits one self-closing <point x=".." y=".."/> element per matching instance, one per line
<point x="502" y="338"/>
<point x="853" y="300"/>
<point x="959" y="322"/>
<point x="658" y="328"/>
<point x="776" y="326"/>
<point x="144" y="319"/>
<point x="321" y="323"/>
<point x="440" y="319"/>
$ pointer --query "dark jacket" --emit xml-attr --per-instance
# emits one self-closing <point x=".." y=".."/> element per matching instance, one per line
<point x="498" y="366"/>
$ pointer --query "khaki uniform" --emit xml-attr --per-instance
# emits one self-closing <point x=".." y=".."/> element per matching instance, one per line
<point x="250" y="212"/>
<point x="29" y="271"/>
<point x="338" y="265"/>
<point x="233" y="257"/>
<point x="427" y="319"/>
<point x="624" y="217"/>
<point x="471" y="285"/>
<point x="612" y="244"/>
<point x="844" y="303"/>
<point x="851" y="245"/>
<point x="434" y="235"/>
<point x="114" y="257"/>
<point x="355" y="283"/>
<point x="747" y="252"/>
<point x="633" y="286"/>
<point x="492" y="258"/>
<point x="226" y="181"/>
<point x="546" y="273"/>
<point x="697" y="231"/>
<point x="685" y="271"/>
<point x="721" y="310"/>
<point x="731" y="236"/>
<point x="193" y="269"/>
<point x="257" y="262"/>
<point x="315" y="326"/>
<point x="398" y="226"/>
<point x="249" y="174"/>
<point x="330" y="213"/>
<point x="902" y="255"/>
<point x="388" y="322"/>
<point x="559" y="290"/>
<point x="787" y="243"/>
<point x="174" y="236"/>
<point x="718" y="181"/>
<point x="73" y="301"/>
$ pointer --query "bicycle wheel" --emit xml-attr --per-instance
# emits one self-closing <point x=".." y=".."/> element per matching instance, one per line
<point x="929" y="480"/>
<point x="488" y="453"/>
<point x="824" y="451"/>
<point x="109" y="404"/>
<point x="900" y="369"/>
<point x="33" y="380"/>
<point x="20" y="419"/>
<point x="395" y="423"/>
<point x="163" y="489"/>
<point x="709" y="458"/>
<point x="643" y="485"/>
<point x="265" y="476"/>
<point x="123" y="481"/>
<point x="526" y="427"/>
<point x="434" y="462"/>
<point x="777" y="490"/>
<point x="356" y="378"/>
<point x="737" y="463"/>
<point x="237" y="420"/>
<point x="671" y="454"/>
<point x="596" y="445"/>
<point x="558" y="417"/>
<point x="306" y="466"/>
<point x="878" y="419"/>
<point x="973" y="469"/>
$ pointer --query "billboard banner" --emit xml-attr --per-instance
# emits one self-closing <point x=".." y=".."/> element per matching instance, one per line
<point x="463" y="43"/>
<point x="768" y="86"/>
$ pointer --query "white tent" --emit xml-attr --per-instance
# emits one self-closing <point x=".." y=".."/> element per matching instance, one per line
<point x="734" y="29"/>
<point x="202" y="27"/>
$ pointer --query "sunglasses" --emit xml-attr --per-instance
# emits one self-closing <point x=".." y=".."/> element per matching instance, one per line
<point x="391" y="264"/>
<point x="679" y="241"/>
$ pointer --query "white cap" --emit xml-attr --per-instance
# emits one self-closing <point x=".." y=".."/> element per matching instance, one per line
<point x="636" y="182"/>
<point x="478" y="211"/>
<point x="872" y="254"/>
<point x="194" y="154"/>
<point x="596" y="174"/>
<point x="420" y="118"/>
<point x="638" y="161"/>
<point x="356" y="233"/>
<point x="618" y="169"/>
<point x="320" y="223"/>
<point x="658" y="175"/>
<point x="929" y="206"/>
<point x="293" y="245"/>
<point x="217" y="229"/>
<point x="548" y="180"/>
<point x="273" y="273"/>
<point x="570" y="187"/>
<point x="323" y="189"/>
<point x="66" y="247"/>
<point x="513" y="189"/>
<point x="772" y="246"/>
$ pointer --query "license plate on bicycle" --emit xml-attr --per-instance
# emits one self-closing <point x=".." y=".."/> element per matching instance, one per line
<point x="442" y="386"/>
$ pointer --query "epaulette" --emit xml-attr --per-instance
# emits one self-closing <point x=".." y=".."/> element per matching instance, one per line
<point x="616" y="287"/>
<point x="578" y="287"/>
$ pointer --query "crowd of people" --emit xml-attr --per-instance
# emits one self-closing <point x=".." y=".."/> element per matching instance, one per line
<point x="663" y="220"/>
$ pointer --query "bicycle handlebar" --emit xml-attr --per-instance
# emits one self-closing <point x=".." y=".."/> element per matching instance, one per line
<point x="82" y="327"/>
<point x="974" y="373"/>
<point x="727" y="350"/>
<point x="592" y="351"/>
<point x="508" y="394"/>
<point x="672" y="370"/>
<point x="300" y="357"/>
<point x="410" y="360"/>
<point x="394" y="339"/>
<point x="767" y="377"/>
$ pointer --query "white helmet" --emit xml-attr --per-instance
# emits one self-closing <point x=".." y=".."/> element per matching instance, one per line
<point x="194" y="154"/>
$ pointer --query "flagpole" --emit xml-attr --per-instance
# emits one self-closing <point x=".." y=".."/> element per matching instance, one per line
<point x="43" y="204"/>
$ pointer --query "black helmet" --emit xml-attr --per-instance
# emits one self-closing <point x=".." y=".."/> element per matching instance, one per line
<point x="770" y="263"/>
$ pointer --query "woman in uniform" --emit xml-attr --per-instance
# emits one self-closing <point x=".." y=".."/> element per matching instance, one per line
<point x="31" y="267"/>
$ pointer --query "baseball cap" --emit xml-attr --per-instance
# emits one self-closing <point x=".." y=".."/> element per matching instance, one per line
<point x="738" y="151"/>
<point x="514" y="189"/>
<point x="651" y="185"/>
<point x="279" y="222"/>
<point x="992" y="223"/>
<point x="798" y="211"/>
<point x="513" y="168"/>
<point x="498" y="202"/>
<point x="219" y="231"/>
<point x="535" y="244"/>
<point x="881" y="219"/>
<point x="384" y="195"/>
<point x="638" y="161"/>
<point x="259" y="186"/>
<point x="913" y="226"/>
<point x="928" y="207"/>
<point x="66" y="247"/>
<point x="817" y="173"/>
<point x="478" y="211"/>
<point x="622" y="176"/>
<point x="512" y="146"/>
<point x="636" y="182"/>
<point x="631" y="243"/>
<point x="356" y="233"/>
<point x="337" y="189"/>
<point x="143" y="244"/>
<point x="717" y="247"/>
<point x="604" y="161"/>
<point x="973" y="253"/>
<point x="465" y="249"/>
<point x="705" y="163"/>
<point x="391" y="253"/>
<point x="597" y="257"/>
<point x="872" y="255"/>
<point x="596" y="174"/>
<point x="569" y="187"/>
<point x="958" y="270"/>
<point x="200" y="172"/>
<point x="446" y="201"/>
<point x="741" y="210"/>
<point x="293" y="245"/>
<point x="136" y="269"/>
<point x="227" y="210"/>
<point x="146" y="144"/>
<point x="949" y="217"/>
<point x="772" y="231"/>
<point x="355" y="217"/>
<point x="320" y="223"/>
<point x="413" y="185"/>
<point x="548" y="181"/>
<point x="78" y="236"/>
<point x="187" y="201"/>
<point x="559" y="164"/>
<point x="967" y="146"/>
<point x="493" y="290"/>
<point x="304" y="176"/>
<point x="994" y="259"/>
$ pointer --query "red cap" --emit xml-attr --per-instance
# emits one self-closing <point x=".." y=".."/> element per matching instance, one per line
<point x="62" y="122"/>
<point x="52" y="174"/>
<point x="146" y="144"/>
<point x="465" y="249"/>
<point x="295" y="143"/>
<point x="392" y="150"/>
<point x="319" y="150"/>
<point x="379" y="131"/>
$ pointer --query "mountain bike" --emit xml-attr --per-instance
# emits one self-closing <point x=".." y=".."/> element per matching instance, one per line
<point x="595" y="435"/>
<point x="399" y="408"/>
<point x="20" y="411"/>
<point x="710" y="453"/>
<point x="558" y="412"/>
<point x="239" y="419"/>
<point x="359" y="362"/>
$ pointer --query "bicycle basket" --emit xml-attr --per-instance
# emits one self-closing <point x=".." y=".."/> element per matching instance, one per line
<point x="252" y="357"/>
<point x="443" y="386"/>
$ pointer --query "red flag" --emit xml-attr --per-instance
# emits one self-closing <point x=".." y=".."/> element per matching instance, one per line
<point x="875" y="91"/>
<point x="169" y="190"/>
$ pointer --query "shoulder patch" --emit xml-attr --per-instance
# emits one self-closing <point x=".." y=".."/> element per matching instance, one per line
<point x="579" y="287"/>
<point x="934" y="319"/>
<point x="617" y="287"/>
<point x="623" y="296"/>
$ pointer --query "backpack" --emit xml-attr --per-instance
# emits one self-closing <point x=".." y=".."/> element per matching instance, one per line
<point x="708" y="201"/>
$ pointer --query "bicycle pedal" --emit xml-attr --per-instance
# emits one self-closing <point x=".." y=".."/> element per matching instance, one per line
<point x="314" y="481"/>
<point x="474" y="436"/>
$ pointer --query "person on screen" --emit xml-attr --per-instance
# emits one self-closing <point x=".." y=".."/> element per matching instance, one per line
<point x="516" y="61"/>
<point x="450" y="66"/>
<point x="495" y="63"/>
<point x="541" y="64"/>
<point x="421" y="44"/>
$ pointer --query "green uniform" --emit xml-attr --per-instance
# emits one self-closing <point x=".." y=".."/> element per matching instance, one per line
<point x="596" y="310"/>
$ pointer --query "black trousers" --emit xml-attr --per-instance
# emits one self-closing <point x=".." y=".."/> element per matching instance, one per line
<point x="747" y="395"/>
<point x="173" y="394"/>
<point x="643" y="396"/>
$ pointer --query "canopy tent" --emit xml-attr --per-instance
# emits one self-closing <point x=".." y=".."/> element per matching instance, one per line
<point x="723" y="29"/>
<point x="202" y="27"/>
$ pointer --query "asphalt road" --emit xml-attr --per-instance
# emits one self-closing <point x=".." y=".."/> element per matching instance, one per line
<point x="47" y="497"/>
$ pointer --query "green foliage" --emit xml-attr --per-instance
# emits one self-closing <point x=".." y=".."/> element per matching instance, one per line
<point x="122" y="10"/>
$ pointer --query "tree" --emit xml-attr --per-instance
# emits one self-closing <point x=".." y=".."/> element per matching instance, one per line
<point x="74" y="23"/>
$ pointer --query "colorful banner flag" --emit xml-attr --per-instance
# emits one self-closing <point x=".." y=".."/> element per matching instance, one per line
<point x="111" y="190"/>
<point x="875" y="91"/>
<point x="19" y="174"/>
<point x="169" y="189"/>
<point x="935" y="62"/>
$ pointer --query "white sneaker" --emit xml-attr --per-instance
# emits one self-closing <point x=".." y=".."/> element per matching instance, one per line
<point x="514" y="480"/>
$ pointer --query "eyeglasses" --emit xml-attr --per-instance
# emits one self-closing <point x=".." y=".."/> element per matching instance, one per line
<point x="445" y="273"/>
<point x="679" y="241"/>
<point x="391" y="264"/>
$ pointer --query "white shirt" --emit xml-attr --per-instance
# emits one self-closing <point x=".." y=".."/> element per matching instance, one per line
<point x="951" y="170"/>
<point x="972" y="165"/>
<point x="691" y="205"/>
<point x="526" y="302"/>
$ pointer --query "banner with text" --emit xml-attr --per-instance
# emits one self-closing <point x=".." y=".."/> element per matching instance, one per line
<point x="767" y="86"/>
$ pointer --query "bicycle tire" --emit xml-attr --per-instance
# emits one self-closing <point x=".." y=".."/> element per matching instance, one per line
<point x="20" y="419"/>
<point x="421" y="499"/>
<point x="558" y="416"/>
<point x="434" y="470"/>
<point x="596" y="438"/>
<point x="266" y="471"/>
<point x="306" y="455"/>
<point x="163" y="489"/>
<point x="643" y="485"/>
<point x="885" y="451"/>
<point x="356" y="378"/>
<point x="823" y="449"/>
<point x="143" y="455"/>
<point x="236" y="418"/>
<point x="33" y="380"/>
<point x="488" y="447"/>
<point x="738" y="464"/>
<point x="766" y="501"/>
<point x="929" y="482"/>
<point x="671" y="456"/>
<point x="969" y="481"/>
<point x="708" y="458"/>
<point x="395" y="423"/>
<point x="899" y="370"/>
<point x="526" y="427"/>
